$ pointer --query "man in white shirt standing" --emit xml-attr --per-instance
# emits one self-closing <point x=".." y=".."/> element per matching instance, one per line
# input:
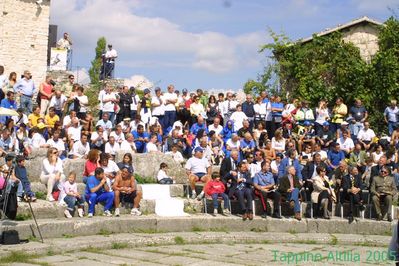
<point x="229" y="106"/>
<point x="108" y="101"/>
<point x="66" y="43"/>
<point x="135" y="102"/>
<point x="170" y="99"/>
<point x="158" y="107"/>
<point x="109" y="66"/>
<point x="238" y="118"/>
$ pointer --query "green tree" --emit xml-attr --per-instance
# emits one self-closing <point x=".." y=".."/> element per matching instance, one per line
<point x="96" y="63"/>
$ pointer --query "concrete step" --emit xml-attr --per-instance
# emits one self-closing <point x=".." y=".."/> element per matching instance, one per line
<point x="68" y="228"/>
<point x="44" y="209"/>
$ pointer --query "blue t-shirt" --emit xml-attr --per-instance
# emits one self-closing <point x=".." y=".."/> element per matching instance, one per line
<point x="279" y="106"/>
<point x="246" y="144"/>
<point x="92" y="182"/>
<point x="264" y="179"/>
<point x="335" y="157"/>
<point x="140" y="145"/>
<point x="196" y="127"/>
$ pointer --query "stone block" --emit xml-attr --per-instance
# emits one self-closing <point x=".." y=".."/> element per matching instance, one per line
<point x="76" y="165"/>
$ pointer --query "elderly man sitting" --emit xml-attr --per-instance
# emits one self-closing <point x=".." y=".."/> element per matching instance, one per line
<point x="383" y="188"/>
<point x="289" y="188"/>
<point x="198" y="169"/>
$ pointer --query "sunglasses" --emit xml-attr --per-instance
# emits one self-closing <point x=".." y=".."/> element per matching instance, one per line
<point x="55" y="152"/>
<point x="384" y="172"/>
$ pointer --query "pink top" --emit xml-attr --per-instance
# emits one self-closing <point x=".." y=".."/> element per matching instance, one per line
<point x="47" y="89"/>
<point x="68" y="187"/>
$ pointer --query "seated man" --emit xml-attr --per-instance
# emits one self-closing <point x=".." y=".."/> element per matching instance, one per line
<point x="126" y="192"/>
<point x="352" y="191"/>
<point x="81" y="148"/>
<point x="140" y="139"/>
<point x="96" y="191"/>
<point x="266" y="188"/>
<point x="289" y="188"/>
<point x="383" y="188"/>
<point x="198" y="169"/>
<point x="240" y="182"/>
<point x="21" y="173"/>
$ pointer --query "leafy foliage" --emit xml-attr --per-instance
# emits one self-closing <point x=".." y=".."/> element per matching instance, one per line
<point x="327" y="67"/>
<point x="95" y="69"/>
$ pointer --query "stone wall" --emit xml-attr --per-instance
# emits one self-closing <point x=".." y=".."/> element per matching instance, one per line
<point x="24" y="37"/>
<point x="365" y="37"/>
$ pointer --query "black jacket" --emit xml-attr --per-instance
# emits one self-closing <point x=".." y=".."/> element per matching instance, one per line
<point x="226" y="167"/>
<point x="232" y="184"/>
<point x="285" y="185"/>
<point x="307" y="171"/>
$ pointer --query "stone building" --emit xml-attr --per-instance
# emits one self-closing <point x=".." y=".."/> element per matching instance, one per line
<point x="362" y="32"/>
<point x="24" y="28"/>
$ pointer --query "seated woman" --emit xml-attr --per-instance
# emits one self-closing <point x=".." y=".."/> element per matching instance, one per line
<point x="127" y="162"/>
<point x="323" y="194"/>
<point x="228" y="131"/>
<point x="91" y="164"/>
<point x="232" y="144"/>
<point x="216" y="144"/>
<point x="278" y="141"/>
<point x="52" y="172"/>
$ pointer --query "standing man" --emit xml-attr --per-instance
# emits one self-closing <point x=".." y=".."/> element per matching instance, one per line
<point x="359" y="114"/>
<point x="26" y="89"/>
<point x="158" y="107"/>
<point x="248" y="109"/>
<point x="66" y="43"/>
<point x="135" y="101"/>
<point x="170" y="99"/>
<point x="229" y="107"/>
<point x="391" y="116"/>
<point x="110" y="57"/>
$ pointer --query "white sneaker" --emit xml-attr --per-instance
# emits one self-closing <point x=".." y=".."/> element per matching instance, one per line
<point x="200" y="196"/>
<point x="135" y="211"/>
<point x="194" y="195"/>
<point x="215" y="212"/>
<point x="81" y="213"/>
<point x="67" y="214"/>
<point x="50" y="198"/>
<point x="107" y="213"/>
<point x="226" y="212"/>
<point x="90" y="215"/>
<point x="19" y="199"/>
<point x="117" y="213"/>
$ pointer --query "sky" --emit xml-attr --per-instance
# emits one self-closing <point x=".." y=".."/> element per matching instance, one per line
<point x="208" y="44"/>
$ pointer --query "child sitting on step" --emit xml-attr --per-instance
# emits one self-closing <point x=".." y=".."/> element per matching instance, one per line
<point x="215" y="189"/>
<point x="72" y="196"/>
<point x="162" y="175"/>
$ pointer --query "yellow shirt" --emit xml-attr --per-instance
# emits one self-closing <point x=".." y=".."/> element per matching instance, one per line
<point x="32" y="118"/>
<point x="339" y="112"/>
<point x="50" y="121"/>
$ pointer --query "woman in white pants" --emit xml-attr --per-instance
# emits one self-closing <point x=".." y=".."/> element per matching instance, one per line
<point x="52" y="171"/>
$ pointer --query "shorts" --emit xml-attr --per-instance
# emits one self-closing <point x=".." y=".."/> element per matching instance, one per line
<point x="200" y="175"/>
<point x="128" y="198"/>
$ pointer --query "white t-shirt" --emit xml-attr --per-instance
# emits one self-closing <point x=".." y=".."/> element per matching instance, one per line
<point x="177" y="156"/>
<point x="59" y="145"/>
<point x="217" y="130"/>
<point x="278" y="145"/>
<point x="111" y="167"/>
<point x="158" y="110"/>
<point x="112" y="149"/>
<point x="161" y="175"/>
<point x="346" y="144"/>
<point x="238" y="118"/>
<point x="75" y="132"/>
<point x="260" y="109"/>
<point x="57" y="103"/>
<point x="169" y="96"/>
<point x="135" y="101"/>
<point x="18" y="120"/>
<point x="120" y="137"/>
<point x="151" y="147"/>
<point x="100" y="97"/>
<point x="232" y="144"/>
<point x="366" y="135"/>
<point x="126" y="146"/>
<point x="108" y="106"/>
<point x="80" y="150"/>
<point x="196" y="165"/>
<point x="83" y="101"/>
<point x="37" y="140"/>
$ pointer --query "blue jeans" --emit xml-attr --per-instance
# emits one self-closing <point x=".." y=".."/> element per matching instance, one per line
<point x="294" y="195"/>
<point x="94" y="198"/>
<point x="246" y="207"/>
<point x="26" y="104"/>
<point x="111" y="117"/>
<point x="215" y="200"/>
<point x="73" y="201"/>
<point x="169" y="119"/>
<point x="390" y="127"/>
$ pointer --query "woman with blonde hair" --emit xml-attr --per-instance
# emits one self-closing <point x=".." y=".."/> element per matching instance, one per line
<point x="52" y="172"/>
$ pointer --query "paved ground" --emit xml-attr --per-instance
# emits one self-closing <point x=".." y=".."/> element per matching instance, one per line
<point x="223" y="254"/>
<point x="202" y="248"/>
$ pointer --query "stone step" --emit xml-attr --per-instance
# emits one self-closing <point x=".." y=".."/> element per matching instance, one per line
<point x="69" y="228"/>
<point x="44" y="209"/>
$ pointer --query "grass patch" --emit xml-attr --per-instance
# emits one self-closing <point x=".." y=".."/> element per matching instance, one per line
<point x="334" y="240"/>
<point x="83" y="258"/>
<point x="197" y="229"/>
<point x="179" y="240"/>
<point x="18" y="257"/>
<point x="292" y="231"/>
<point x="193" y="251"/>
<point x="144" y="180"/>
<point x="33" y="238"/>
<point x="23" y="217"/>
<point x="258" y="230"/>
<point x="365" y="244"/>
<point x="116" y="245"/>
<point x="147" y="231"/>
<point x="41" y="195"/>
<point x="67" y="236"/>
<point x="308" y="242"/>
<point x="50" y="252"/>
<point x="104" y="232"/>
<point x="219" y="229"/>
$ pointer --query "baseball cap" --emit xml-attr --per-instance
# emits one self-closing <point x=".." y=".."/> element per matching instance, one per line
<point x="157" y="89"/>
<point x="306" y="123"/>
<point x="185" y="90"/>
<point x="344" y="123"/>
<point x="146" y="91"/>
<point x="326" y="124"/>
<point x="198" y="149"/>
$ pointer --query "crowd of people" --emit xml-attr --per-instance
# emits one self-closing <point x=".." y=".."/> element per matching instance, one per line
<point x="264" y="147"/>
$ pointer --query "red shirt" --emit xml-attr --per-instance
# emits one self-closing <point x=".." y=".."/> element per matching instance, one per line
<point x="213" y="187"/>
<point x="48" y="88"/>
<point x="90" y="167"/>
<point x="188" y="103"/>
